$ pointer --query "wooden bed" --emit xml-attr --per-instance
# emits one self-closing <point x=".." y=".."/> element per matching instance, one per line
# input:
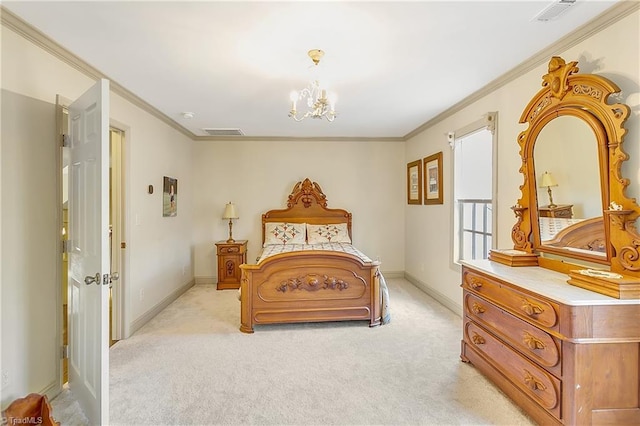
<point x="587" y="235"/>
<point x="309" y="286"/>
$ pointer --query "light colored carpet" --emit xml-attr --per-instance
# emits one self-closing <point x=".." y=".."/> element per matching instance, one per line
<point x="191" y="365"/>
<point x="66" y="410"/>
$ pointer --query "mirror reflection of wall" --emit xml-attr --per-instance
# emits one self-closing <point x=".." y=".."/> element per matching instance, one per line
<point x="567" y="148"/>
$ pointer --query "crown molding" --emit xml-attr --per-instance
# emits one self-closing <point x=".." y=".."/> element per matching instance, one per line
<point x="297" y="139"/>
<point x="604" y="20"/>
<point x="35" y="36"/>
<point x="597" y="24"/>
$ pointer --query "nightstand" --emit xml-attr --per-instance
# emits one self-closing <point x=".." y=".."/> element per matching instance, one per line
<point x="230" y="257"/>
<point x="561" y="210"/>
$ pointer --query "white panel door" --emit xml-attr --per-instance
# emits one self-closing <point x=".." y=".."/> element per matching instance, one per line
<point x="89" y="252"/>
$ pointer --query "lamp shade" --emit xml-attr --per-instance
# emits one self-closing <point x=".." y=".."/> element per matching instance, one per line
<point x="547" y="180"/>
<point x="230" y="211"/>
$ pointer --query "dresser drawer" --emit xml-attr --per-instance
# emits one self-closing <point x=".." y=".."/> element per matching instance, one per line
<point x="564" y="213"/>
<point x="231" y="249"/>
<point x="532" y="380"/>
<point x="532" y="342"/>
<point x="531" y="308"/>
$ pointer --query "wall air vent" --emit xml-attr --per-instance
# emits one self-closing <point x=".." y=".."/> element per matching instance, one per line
<point x="554" y="10"/>
<point x="223" y="132"/>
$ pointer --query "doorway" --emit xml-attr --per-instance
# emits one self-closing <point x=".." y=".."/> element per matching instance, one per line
<point x="117" y="244"/>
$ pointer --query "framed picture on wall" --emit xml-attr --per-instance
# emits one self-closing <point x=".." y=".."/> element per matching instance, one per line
<point x="433" y="178"/>
<point x="169" y="197"/>
<point x="414" y="182"/>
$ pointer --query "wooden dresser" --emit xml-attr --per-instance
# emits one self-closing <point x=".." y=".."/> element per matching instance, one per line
<point x="564" y="354"/>
<point x="564" y="211"/>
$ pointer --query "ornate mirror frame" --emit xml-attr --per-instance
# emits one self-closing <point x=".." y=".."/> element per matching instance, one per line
<point x="565" y="92"/>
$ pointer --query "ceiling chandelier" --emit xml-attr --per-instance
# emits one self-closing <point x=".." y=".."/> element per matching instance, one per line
<point x="319" y="103"/>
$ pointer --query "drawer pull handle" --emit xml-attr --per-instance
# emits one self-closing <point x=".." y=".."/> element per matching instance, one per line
<point x="533" y="383"/>
<point x="533" y="342"/>
<point x="531" y="309"/>
<point x="477" y="308"/>
<point x="477" y="339"/>
<point x="475" y="284"/>
<point x="232" y="250"/>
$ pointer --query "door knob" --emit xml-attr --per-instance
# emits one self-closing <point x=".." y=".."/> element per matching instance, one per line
<point x="88" y="280"/>
<point x="108" y="279"/>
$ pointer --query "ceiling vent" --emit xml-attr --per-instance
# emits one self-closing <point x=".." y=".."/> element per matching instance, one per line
<point x="554" y="10"/>
<point x="223" y="132"/>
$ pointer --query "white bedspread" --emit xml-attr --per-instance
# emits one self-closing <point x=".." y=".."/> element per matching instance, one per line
<point x="287" y="248"/>
<point x="550" y="226"/>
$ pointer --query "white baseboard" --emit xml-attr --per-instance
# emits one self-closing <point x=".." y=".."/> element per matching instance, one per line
<point x="206" y="280"/>
<point x="52" y="390"/>
<point x="393" y="274"/>
<point x="147" y="316"/>
<point x="441" y="298"/>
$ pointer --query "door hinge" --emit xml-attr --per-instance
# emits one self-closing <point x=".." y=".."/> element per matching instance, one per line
<point x="123" y="245"/>
<point x="65" y="140"/>
<point x="65" y="352"/>
<point x="65" y="246"/>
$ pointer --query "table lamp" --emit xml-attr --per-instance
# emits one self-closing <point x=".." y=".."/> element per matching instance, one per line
<point x="548" y="181"/>
<point x="230" y="213"/>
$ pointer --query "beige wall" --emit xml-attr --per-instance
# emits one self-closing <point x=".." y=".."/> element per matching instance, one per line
<point x="366" y="178"/>
<point x="159" y="255"/>
<point x="28" y="242"/>
<point x="613" y="52"/>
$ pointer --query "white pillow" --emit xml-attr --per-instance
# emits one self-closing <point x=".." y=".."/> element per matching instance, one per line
<point x="331" y="233"/>
<point x="283" y="233"/>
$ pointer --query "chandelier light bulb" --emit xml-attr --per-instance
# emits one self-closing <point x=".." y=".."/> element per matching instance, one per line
<point x="294" y="100"/>
<point x="332" y="101"/>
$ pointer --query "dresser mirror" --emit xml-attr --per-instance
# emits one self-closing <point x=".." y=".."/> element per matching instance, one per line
<point x="579" y="210"/>
<point x="569" y="193"/>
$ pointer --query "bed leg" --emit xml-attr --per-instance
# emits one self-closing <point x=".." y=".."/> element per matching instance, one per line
<point x="376" y="308"/>
<point x="246" y="329"/>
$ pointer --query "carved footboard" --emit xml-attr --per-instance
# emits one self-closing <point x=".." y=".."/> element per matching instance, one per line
<point x="309" y="286"/>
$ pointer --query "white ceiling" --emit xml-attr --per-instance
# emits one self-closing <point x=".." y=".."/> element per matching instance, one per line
<point x="394" y="65"/>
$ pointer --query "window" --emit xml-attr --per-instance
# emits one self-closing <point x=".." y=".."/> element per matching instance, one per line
<point x="474" y="189"/>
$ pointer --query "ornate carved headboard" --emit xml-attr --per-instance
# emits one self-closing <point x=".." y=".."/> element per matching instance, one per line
<point x="307" y="204"/>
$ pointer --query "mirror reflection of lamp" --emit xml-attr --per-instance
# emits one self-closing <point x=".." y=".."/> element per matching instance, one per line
<point x="547" y="181"/>
<point x="230" y="213"/>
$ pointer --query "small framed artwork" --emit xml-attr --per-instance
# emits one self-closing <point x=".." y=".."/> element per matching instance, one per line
<point x="414" y="182"/>
<point x="433" y="178"/>
<point x="169" y="197"/>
